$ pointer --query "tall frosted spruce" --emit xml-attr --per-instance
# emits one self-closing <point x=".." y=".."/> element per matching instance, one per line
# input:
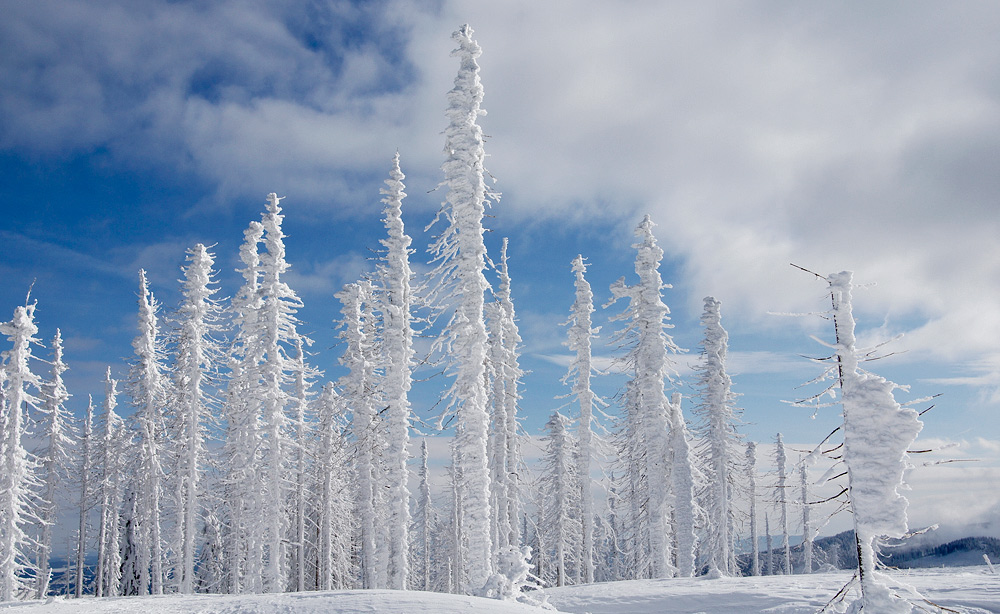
<point x="395" y="298"/>
<point x="243" y="539"/>
<point x="56" y="458"/>
<point x="580" y="333"/>
<point x="504" y="342"/>
<point x="751" y="474"/>
<point x="357" y="385"/>
<point x="781" y="498"/>
<point x="111" y="444"/>
<point x="720" y="449"/>
<point x="460" y="257"/>
<point x="559" y="530"/>
<point x="85" y="467"/>
<point x="647" y="358"/>
<point x="18" y="484"/>
<point x="197" y="354"/>
<point x="148" y="388"/>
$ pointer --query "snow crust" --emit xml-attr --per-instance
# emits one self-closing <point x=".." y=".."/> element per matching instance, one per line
<point x="969" y="590"/>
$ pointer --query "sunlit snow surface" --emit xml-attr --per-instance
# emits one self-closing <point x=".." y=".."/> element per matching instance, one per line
<point x="971" y="590"/>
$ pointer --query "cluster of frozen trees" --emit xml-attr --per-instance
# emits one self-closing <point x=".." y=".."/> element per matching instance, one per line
<point x="238" y="469"/>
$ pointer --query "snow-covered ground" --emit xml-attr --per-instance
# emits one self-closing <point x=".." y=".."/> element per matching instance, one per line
<point x="971" y="590"/>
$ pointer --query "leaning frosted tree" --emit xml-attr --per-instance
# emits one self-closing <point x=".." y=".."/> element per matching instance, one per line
<point x="877" y="434"/>
<point x="720" y="449"/>
<point x="460" y="257"/>
<point x="18" y="483"/>
<point x="647" y="359"/>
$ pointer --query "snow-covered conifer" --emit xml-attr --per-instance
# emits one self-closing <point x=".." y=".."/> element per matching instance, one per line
<point x="109" y="453"/>
<point x="423" y="519"/>
<point x="720" y="449"/>
<point x="781" y="499"/>
<point x="334" y="505"/>
<point x="807" y="538"/>
<point x="395" y="298"/>
<point x="83" y="479"/>
<point x="198" y="352"/>
<point x="358" y="385"/>
<point x="56" y="457"/>
<point x="647" y="359"/>
<point x="460" y="255"/>
<point x="682" y="490"/>
<point x="243" y="538"/>
<point x="19" y="388"/>
<point x="303" y="376"/>
<point x="560" y="498"/>
<point x="580" y="333"/>
<point x="147" y="385"/>
<point x="751" y="473"/>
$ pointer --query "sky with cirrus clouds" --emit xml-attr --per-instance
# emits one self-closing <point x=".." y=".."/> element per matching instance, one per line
<point x="756" y="134"/>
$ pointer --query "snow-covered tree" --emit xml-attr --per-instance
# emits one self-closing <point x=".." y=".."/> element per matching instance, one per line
<point x="560" y="500"/>
<point x="580" y="333"/>
<point x="56" y="457"/>
<point x="807" y="538"/>
<point x="198" y="352"/>
<point x="423" y="526"/>
<point x="781" y="500"/>
<point x="303" y="376"/>
<point x="148" y="387"/>
<point x="648" y="349"/>
<point x="460" y="257"/>
<point x="395" y="302"/>
<point x="358" y="386"/>
<point x="85" y="467"/>
<point x="503" y="357"/>
<point x="18" y="482"/>
<point x="877" y="434"/>
<point x="751" y="475"/>
<point x="243" y="537"/>
<point x="720" y="450"/>
<point x="109" y="455"/>
<point x="682" y="490"/>
<point x="334" y="505"/>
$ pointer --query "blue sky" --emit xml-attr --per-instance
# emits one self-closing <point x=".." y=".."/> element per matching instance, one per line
<point x="848" y="136"/>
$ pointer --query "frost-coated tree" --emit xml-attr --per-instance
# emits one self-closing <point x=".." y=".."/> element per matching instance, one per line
<point x="682" y="490"/>
<point x="241" y="493"/>
<point x="18" y="482"/>
<point x="198" y="319"/>
<point x="110" y="448"/>
<point x="877" y="434"/>
<point x="147" y="385"/>
<point x="720" y="450"/>
<point x="807" y="538"/>
<point x="751" y="473"/>
<point x="504" y="442"/>
<point x="395" y="302"/>
<point x="334" y="517"/>
<point x="648" y="349"/>
<point x="580" y="333"/>
<point x="423" y="519"/>
<point x="56" y="457"/>
<point x="358" y="386"/>
<point x="460" y="257"/>
<point x="85" y="467"/>
<point x="303" y="377"/>
<point x="560" y="499"/>
<point x="781" y="499"/>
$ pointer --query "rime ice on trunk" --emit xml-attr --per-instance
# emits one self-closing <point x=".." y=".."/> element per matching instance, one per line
<point x="877" y="434"/>
<point x="781" y="493"/>
<point x="85" y="467"/>
<point x="460" y="255"/>
<point x="648" y="358"/>
<point x="17" y="484"/>
<point x="580" y="333"/>
<point x="751" y="469"/>
<point x="807" y="539"/>
<point x="682" y="490"/>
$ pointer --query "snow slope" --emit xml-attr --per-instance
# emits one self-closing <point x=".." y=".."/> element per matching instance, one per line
<point x="970" y="590"/>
